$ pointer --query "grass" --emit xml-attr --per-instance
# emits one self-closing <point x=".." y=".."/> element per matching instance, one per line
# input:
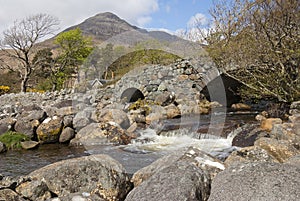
<point x="12" y="140"/>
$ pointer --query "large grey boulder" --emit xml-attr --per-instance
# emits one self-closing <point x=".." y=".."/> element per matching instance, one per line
<point x="101" y="133"/>
<point x="114" y="115"/>
<point x="185" y="175"/>
<point x="6" y="124"/>
<point x="66" y="135"/>
<point x="257" y="182"/>
<point x="82" y="118"/>
<point x="95" y="174"/>
<point x="28" y="121"/>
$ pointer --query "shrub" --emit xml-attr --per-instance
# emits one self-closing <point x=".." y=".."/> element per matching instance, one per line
<point x="12" y="140"/>
<point x="4" y="89"/>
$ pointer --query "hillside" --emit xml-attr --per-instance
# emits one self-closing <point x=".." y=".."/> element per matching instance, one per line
<point x="108" y="28"/>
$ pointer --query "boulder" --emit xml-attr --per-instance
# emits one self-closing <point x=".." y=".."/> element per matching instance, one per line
<point x="66" y="135"/>
<point x="68" y="121"/>
<point x="165" y="98"/>
<point x="240" y="106"/>
<point x="192" y="168"/>
<point x="82" y="119"/>
<point x="116" y="116"/>
<point x="34" y="190"/>
<point x="247" y="134"/>
<point x="78" y="197"/>
<point x="257" y="181"/>
<point x="101" y="133"/>
<point x="65" y="111"/>
<point x="95" y="174"/>
<point x="172" y="111"/>
<point x="286" y="131"/>
<point x="282" y="150"/>
<point x="92" y="134"/>
<point x="249" y="154"/>
<point x="26" y="126"/>
<point x="6" y="124"/>
<point x="29" y="144"/>
<point x="49" y="130"/>
<point x="8" y="194"/>
<point x="267" y="124"/>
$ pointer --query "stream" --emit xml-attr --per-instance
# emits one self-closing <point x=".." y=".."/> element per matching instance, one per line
<point x="160" y="139"/>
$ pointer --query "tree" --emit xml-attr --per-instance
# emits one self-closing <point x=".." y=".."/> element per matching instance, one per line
<point x="73" y="49"/>
<point x="20" y="43"/>
<point x="258" y="43"/>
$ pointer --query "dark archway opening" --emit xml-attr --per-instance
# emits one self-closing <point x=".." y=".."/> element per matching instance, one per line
<point x="131" y="95"/>
<point x="213" y="91"/>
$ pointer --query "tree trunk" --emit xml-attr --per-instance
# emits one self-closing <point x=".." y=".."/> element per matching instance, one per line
<point x="24" y="84"/>
<point x="54" y="86"/>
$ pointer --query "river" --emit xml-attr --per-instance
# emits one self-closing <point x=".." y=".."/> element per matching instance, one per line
<point x="173" y="135"/>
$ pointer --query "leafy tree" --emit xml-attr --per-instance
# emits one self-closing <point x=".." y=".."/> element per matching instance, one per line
<point x="20" y="43"/>
<point x="73" y="49"/>
<point x="258" y="43"/>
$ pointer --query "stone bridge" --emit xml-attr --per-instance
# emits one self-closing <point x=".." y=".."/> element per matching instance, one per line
<point x="186" y="78"/>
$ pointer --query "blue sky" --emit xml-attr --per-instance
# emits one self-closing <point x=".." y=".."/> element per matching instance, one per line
<point x="175" y="14"/>
<point x="160" y="14"/>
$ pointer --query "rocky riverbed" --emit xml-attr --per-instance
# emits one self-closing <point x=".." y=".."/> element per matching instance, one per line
<point x="261" y="161"/>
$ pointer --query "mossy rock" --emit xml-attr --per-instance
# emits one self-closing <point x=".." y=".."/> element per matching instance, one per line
<point x="49" y="131"/>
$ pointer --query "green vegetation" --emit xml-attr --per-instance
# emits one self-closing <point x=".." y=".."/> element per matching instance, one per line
<point x="73" y="49"/>
<point x="139" y="58"/>
<point x="12" y="140"/>
<point x="143" y="105"/>
<point x="258" y="43"/>
<point x="112" y="62"/>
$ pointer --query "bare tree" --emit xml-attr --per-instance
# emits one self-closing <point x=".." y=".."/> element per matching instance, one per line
<point x="19" y="44"/>
<point x="257" y="42"/>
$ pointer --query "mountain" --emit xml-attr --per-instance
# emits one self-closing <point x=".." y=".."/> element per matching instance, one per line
<point x="104" y="26"/>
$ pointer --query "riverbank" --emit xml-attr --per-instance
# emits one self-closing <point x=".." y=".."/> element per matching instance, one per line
<point x="132" y="117"/>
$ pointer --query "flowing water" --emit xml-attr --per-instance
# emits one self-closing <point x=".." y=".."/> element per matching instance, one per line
<point x="158" y="140"/>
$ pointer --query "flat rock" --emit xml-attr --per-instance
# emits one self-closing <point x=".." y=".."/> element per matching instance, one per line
<point x="29" y="144"/>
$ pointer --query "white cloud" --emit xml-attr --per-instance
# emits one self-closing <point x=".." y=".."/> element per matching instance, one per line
<point x="71" y="12"/>
<point x="197" y="28"/>
<point x="197" y="20"/>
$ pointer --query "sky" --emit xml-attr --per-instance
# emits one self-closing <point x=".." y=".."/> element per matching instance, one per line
<point x="168" y="15"/>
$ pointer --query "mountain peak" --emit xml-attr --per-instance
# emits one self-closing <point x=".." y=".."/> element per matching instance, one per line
<point x="103" y="26"/>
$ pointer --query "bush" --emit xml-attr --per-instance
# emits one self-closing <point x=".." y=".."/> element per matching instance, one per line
<point x="12" y="140"/>
<point x="4" y="89"/>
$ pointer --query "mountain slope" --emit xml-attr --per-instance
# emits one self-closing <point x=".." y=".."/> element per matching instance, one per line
<point x="104" y="26"/>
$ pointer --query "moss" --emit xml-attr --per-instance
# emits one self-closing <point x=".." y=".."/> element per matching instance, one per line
<point x="12" y="140"/>
<point x="143" y="105"/>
